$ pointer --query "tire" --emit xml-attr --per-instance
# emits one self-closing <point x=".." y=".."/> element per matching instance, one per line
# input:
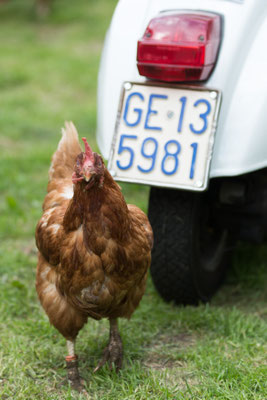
<point x="189" y="256"/>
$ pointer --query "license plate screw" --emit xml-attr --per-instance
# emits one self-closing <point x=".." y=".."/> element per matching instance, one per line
<point x="170" y="114"/>
<point x="127" y="86"/>
<point x="199" y="184"/>
<point x="213" y="95"/>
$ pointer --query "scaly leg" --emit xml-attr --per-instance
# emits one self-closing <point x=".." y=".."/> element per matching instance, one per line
<point x="113" y="353"/>
<point x="72" y="367"/>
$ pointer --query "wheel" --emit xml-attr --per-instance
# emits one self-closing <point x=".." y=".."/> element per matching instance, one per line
<point x="189" y="256"/>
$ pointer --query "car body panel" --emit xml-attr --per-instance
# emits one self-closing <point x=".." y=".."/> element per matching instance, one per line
<point x="240" y="74"/>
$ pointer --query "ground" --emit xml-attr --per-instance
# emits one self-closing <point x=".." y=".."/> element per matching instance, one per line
<point x="48" y="74"/>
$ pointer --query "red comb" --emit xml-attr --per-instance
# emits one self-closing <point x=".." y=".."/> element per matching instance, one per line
<point x="88" y="150"/>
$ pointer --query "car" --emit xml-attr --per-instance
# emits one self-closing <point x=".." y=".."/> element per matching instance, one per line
<point x="182" y="108"/>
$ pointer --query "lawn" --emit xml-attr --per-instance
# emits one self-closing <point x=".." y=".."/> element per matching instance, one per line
<point x="48" y="74"/>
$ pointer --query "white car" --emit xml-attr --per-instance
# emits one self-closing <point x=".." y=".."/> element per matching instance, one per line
<point x="182" y="108"/>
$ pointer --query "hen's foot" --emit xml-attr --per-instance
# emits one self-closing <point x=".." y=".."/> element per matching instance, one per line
<point x="113" y="353"/>
<point x="73" y="374"/>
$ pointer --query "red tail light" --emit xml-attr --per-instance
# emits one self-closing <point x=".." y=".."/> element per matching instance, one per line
<point x="179" y="47"/>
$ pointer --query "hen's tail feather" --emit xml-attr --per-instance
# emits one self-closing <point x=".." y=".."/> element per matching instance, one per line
<point x="65" y="156"/>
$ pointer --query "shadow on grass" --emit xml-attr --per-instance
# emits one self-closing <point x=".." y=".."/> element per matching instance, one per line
<point x="246" y="280"/>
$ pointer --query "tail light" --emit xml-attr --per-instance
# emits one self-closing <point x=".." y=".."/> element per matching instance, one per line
<point x="179" y="47"/>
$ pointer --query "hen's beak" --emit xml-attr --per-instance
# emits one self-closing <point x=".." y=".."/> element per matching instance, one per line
<point x="87" y="174"/>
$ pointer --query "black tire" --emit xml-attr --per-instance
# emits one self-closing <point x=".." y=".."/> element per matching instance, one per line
<point x="189" y="256"/>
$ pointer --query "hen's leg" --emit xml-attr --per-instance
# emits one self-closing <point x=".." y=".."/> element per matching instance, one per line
<point x="72" y="367"/>
<point x="113" y="353"/>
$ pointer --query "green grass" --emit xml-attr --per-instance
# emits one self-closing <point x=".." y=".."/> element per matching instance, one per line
<point x="48" y="73"/>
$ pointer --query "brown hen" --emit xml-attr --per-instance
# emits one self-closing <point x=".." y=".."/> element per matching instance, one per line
<point x="94" y="250"/>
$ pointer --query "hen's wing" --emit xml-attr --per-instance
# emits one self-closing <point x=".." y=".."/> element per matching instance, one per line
<point x="139" y="217"/>
<point x="60" y="190"/>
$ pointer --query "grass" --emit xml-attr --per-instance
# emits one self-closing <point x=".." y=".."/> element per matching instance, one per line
<point x="48" y="71"/>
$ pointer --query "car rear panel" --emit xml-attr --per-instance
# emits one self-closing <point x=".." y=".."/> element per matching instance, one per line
<point x="240" y="74"/>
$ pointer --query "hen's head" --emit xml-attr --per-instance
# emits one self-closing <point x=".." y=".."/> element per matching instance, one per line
<point x="89" y="167"/>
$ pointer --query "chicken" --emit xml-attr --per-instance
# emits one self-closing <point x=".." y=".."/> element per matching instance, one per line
<point x="94" y="250"/>
<point x="42" y="7"/>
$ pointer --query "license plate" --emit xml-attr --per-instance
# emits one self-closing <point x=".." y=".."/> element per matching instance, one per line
<point x="164" y="135"/>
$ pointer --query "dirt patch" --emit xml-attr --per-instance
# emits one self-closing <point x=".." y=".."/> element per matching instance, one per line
<point x="156" y="361"/>
<point x="164" y="351"/>
<point x="179" y="378"/>
<point x="182" y="339"/>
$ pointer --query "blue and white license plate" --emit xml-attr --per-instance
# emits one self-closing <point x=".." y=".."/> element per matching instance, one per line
<point x="164" y="135"/>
